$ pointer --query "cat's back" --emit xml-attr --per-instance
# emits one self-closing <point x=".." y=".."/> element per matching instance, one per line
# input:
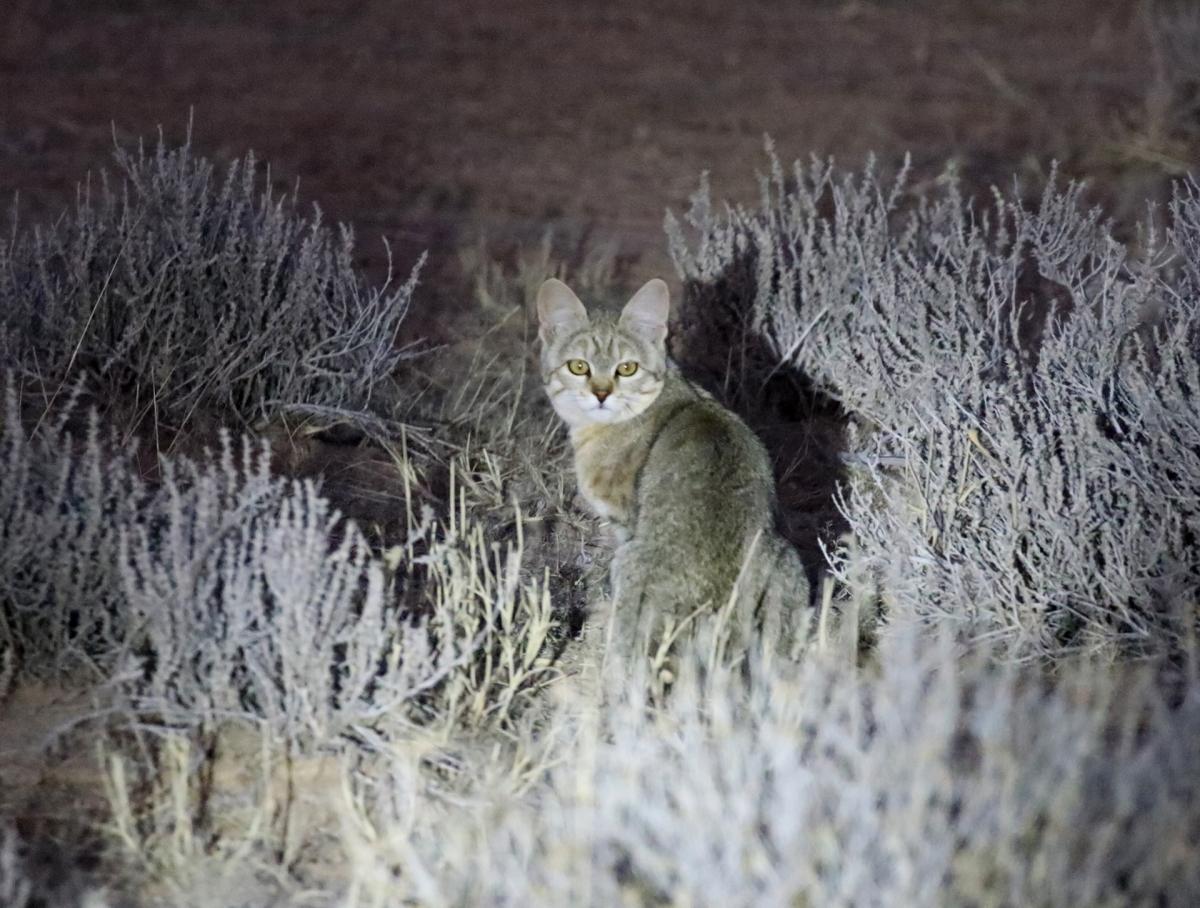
<point x="705" y="468"/>
<point x="687" y="460"/>
<point x="708" y="445"/>
<point x="706" y="526"/>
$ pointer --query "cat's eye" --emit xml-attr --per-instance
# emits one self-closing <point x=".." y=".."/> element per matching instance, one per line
<point x="627" y="369"/>
<point x="578" y="367"/>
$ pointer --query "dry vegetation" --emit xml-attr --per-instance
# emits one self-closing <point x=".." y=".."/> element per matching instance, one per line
<point x="216" y="688"/>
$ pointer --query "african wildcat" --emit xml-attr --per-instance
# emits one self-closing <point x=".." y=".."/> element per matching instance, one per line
<point x="685" y="482"/>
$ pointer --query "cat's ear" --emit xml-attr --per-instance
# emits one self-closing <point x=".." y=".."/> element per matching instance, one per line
<point x="646" y="313"/>
<point x="559" y="309"/>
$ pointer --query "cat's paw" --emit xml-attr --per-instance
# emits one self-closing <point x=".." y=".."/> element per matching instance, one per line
<point x="613" y="534"/>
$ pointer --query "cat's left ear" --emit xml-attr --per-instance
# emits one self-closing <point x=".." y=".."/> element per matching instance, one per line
<point x="646" y="313"/>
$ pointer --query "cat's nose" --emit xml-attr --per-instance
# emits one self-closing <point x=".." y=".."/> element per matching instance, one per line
<point x="601" y="393"/>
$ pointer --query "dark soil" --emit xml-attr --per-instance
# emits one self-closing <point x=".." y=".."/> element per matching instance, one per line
<point x="422" y="121"/>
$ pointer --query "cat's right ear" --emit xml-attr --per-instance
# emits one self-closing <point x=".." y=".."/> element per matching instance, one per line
<point x="559" y="310"/>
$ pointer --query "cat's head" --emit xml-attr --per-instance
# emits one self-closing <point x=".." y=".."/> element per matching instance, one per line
<point x="601" y="370"/>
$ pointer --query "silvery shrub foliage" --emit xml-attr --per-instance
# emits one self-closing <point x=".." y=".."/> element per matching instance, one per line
<point x="182" y="289"/>
<point x="1023" y="389"/>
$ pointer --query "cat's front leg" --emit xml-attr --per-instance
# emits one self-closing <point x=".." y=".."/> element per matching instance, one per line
<point x="628" y="578"/>
<point x="622" y="573"/>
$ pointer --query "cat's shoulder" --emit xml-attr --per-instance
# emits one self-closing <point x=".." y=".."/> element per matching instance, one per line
<point x="699" y="417"/>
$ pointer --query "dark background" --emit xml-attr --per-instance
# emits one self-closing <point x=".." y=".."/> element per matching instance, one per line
<point x="430" y="121"/>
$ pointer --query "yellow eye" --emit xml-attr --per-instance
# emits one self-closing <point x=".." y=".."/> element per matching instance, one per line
<point x="627" y="369"/>
<point x="578" y="367"/>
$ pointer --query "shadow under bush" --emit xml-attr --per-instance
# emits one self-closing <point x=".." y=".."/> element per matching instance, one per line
<point x="714" y="341"/>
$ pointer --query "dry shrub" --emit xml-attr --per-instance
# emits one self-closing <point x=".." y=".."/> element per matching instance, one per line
<point x="185" y="293"/>
<point x="1022" y="390"/>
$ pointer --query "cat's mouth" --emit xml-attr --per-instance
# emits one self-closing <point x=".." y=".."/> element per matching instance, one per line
<point x="603" y="412"/>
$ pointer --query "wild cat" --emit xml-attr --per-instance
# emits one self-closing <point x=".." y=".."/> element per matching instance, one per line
<point x="686" y="484"/>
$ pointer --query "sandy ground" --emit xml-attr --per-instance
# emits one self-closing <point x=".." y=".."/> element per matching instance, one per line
<point x="425" y="121"/>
